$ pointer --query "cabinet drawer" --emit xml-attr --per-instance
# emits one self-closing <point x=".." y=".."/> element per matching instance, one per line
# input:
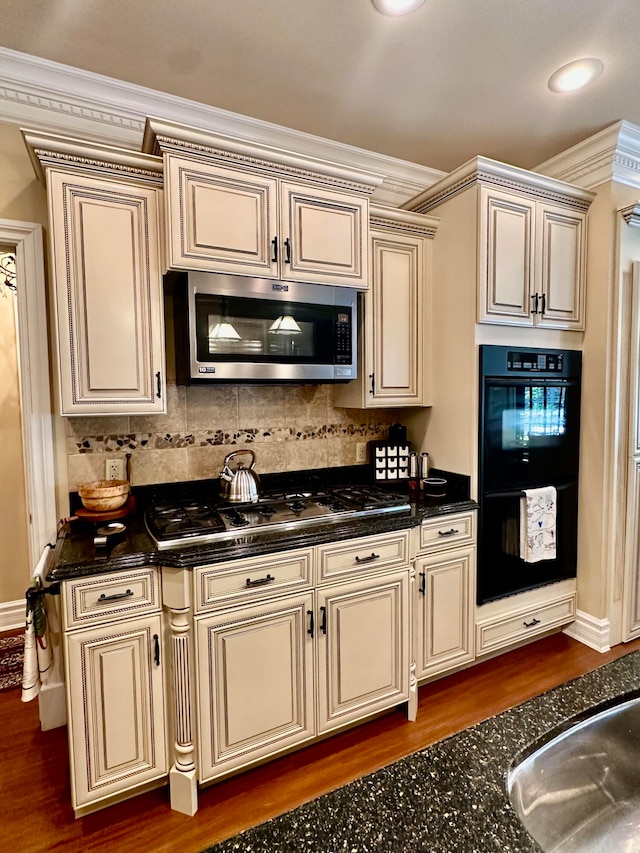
<point x="244" y="580"/>
<point x="353" y="557"/>
<point x="90" y="601"/>
<point x="516" y="626"/>
<point x="447" y="531"/>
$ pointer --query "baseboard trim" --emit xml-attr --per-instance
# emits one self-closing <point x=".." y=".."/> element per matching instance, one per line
<point x="12" y="615"/>
<point x="590" y="631"/>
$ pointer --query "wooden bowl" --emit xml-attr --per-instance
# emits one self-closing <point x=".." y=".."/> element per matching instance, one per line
<point x="104" y="495"/>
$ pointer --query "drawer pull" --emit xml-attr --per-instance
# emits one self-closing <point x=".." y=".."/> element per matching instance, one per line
<point x="117" y="596"/>
<point x="531" y="624"/>
<point x="323" y="624"/>
<point x="156" y="650"/>
<point x="259" y="581"/>
<point x="423" y="583"/>
<point x="451" y="532"/>
<point x="310" y="628"/>
<point x="368" y="559"/>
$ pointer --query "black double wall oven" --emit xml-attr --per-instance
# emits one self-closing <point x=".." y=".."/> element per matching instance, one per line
<point x="529" y="437"/>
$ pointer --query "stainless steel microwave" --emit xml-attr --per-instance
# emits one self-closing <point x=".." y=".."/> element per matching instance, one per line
<point x="237" y="329"/>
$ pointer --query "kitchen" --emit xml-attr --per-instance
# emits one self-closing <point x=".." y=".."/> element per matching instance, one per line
<point x="449" y="440"/>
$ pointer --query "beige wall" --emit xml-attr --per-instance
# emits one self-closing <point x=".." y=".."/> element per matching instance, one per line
<point x="14" y="551"/>
<point x="22" y="199"/>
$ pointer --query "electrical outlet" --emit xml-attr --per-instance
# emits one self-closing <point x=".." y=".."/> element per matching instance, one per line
<point x="361" y="452"/>
<point x="114" y="469"/>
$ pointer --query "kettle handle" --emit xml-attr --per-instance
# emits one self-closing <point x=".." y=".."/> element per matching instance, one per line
<point x="235" y="453"/>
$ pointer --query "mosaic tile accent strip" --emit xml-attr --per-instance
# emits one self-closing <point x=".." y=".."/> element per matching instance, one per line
<point x="203" y="438"/>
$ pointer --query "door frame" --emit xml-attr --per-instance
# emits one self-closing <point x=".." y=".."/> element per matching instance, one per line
<point x="35" y="397"/>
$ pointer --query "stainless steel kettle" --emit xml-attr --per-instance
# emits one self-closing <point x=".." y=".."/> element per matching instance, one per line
<point x="243" y="484"/>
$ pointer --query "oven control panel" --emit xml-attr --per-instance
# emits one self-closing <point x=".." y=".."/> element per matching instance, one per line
<point x="544" y="362"/>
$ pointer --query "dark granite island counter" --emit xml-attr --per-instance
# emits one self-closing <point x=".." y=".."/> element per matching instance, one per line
<point x="448" y="798"/>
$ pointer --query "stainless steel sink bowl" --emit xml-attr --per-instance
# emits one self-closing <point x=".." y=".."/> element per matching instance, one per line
<point x="580" y="789"/>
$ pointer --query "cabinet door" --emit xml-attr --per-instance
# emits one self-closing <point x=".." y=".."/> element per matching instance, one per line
<point x="105" y="249"/>
<point x="394" y="318"/>
<point x="220" y="219"/>
<point x="363" y="648"/>
<point x="325" y="236"/>
<point x="255" y="682"/>
<point x="506" y="263"/>
<point x="116" y="709"/>
<point x="560" y="277"/>
<point x="445" y="611"/>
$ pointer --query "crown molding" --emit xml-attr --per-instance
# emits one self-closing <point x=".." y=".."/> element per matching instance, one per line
<point x="48" y="150"/>
<point x="612" y="154"/>
<point x="482" y="170"/>
<point x="59" y="99"/>
<point x="384" y="218"/>
<point x="631" y="214"/>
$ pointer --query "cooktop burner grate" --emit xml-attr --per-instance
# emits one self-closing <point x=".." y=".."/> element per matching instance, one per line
<point x="189" y="521"/>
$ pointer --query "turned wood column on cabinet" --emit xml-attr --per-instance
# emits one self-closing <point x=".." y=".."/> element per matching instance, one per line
<point x="105" y="209"/>
<point x="531" y="242"/>
<point x="238" y="208"/>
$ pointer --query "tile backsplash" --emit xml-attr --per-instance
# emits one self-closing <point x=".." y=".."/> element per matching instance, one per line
<point x="288" y="428"/>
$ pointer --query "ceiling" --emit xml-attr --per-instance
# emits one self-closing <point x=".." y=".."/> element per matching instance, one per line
<point x="454" y="79"/>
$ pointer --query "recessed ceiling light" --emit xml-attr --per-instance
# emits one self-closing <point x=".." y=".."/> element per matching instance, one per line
<point x="396" y="7"/>
<point x="575" y="75"/>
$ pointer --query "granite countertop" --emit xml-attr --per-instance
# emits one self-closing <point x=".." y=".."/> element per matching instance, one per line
<point x="448" y="798"/>
<point x="75" y="554"/>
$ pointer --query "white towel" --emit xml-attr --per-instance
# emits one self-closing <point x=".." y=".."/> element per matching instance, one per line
<point x="38" y="656"/>
<point x="538" y="524"/>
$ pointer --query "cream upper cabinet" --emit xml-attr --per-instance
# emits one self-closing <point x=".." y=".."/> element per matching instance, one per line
<point x="105" y="209"/>
<point x="525" y="234"/>
<point x="221" y="219"/>
<point x="532" y="262"/>
<point x="394" y="348"/>
<point x="245" y="208"/>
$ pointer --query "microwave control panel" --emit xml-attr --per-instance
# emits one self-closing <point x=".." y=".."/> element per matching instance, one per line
<point x="343" y="338"/>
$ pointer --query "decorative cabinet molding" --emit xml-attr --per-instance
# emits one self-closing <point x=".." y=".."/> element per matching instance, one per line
<point x="531" y="234"/>
<point x="105" y="234"/>
<point x="115" y="696"/>
<point x="394" y="347"/>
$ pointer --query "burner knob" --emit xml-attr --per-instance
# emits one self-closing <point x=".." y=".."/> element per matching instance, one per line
<point x="266" y="510"/>
<point x="336" y="506"/>
<point x="296" y="506"/>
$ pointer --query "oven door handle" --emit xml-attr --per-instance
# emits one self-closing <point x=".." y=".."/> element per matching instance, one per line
<point x="519" y="493"/>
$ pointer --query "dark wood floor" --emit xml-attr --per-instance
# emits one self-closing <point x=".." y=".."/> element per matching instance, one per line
<point x="34" y="786"/>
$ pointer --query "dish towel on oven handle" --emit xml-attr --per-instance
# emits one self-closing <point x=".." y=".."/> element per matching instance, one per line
<point x="538" y="524"/>
<point x="38" y="656"/>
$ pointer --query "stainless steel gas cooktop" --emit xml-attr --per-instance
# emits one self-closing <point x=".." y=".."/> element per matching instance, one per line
<point x="186" y="521"/>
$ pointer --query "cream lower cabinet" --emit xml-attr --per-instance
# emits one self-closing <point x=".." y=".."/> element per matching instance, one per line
<point x="363" y="648"/>
<point x="275" y="669"/>
<point x="445" y="611"/>
<point x="105" y="210"/>
<point x="255" y="682"/>
<point x="115" y="687"/>
<point x="445" y="594"/>
<point x="245" y="221"/>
